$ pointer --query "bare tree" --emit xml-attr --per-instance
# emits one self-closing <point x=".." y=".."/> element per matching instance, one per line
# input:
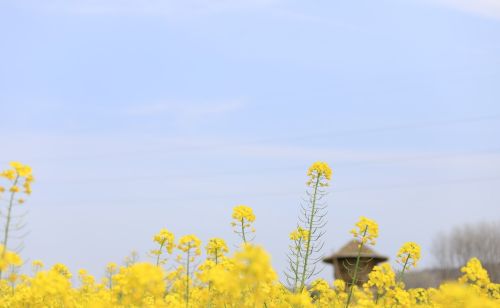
<point x="454" y="248"/>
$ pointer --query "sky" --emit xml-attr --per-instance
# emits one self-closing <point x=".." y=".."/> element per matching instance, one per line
<point x="140" y="115"/>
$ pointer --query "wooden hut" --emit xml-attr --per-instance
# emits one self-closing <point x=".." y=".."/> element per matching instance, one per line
<point x="344" y="260"/>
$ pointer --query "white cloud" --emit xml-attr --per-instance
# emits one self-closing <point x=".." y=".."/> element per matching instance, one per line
<point x="182" y="113"/>
<point x="488" y="8"/>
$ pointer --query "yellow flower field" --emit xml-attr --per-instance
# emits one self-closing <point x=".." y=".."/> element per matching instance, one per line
<point x="185" y="272"/>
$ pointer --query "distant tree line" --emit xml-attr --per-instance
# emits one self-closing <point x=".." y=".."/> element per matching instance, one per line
<point x="454" y="248"/>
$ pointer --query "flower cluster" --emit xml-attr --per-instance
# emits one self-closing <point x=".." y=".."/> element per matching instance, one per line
<point x="382" y="278"/>
<point x="19" y="174"/>
<point x="367" y="230"/>
<point x="243" y="213"/>
<point x="8" y="258"/>
<point x="475" y="274"/>
<point x="408" y="255"/>
<point x="299" y="234"/>
<point x="216" y="248"/>
<point x="243" y="217"/>
<point x="319" y="173"/>
<point x="165" y="239"/>
<point x="190" y="243"/>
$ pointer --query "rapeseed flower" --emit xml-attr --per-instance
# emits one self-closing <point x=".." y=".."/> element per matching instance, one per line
<point x="319" y="173"/>
<point x="8" y="258"/>
<point x="216" y="248"/>
<point x="475" y="274"/>
<point x="243" y="217"/>
<point x="299" y="234"/>
<point x="367" y="230"/>
<point x="190" y="243"/>
<point x="408" y="255"/>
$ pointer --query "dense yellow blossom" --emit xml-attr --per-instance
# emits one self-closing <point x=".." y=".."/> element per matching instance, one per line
<point x="165" y="239"/>
<point x="9" y="174"/>
<point x="139" y="284"/>
<point x="409" y="254"/>
<point x="21" y="170"/>
<point x="190" y="243"/>
<point x="243" y="212"/>
<point x="367" y="230"/>
<point x="243" y="217"/>
<point x="299" y="234"/>
<point x="319" y="173"/>
<point x="245" y="279"/>
<point x="242" y="278"/>
<point x="8" y="258"/>
<point x="382" y="278"/>
<point x="216" y="248"/>
<point x="37" y="263"/>
<point x="475" y="274"/>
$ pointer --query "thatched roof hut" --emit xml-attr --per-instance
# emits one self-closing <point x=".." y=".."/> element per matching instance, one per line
<point x="344" y="261"/>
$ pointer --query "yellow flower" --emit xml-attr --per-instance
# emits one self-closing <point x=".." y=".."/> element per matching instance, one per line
<point x="382" y="277"/>
<point x="21" y="170"/>
<point x="165" y="239"/>
<point x="216" y="248"/>
<point x="9" y="174"/>
<point x="37" y="263"/>
<point x="27" y="190"/>
<point x="62" y="270"/>
<point x="474" y="273"/>
<point x="299" y="234"/>
<point x="111" y="267"/>
<point x="2" y="189"/>
<point x="409" y="254"/>
<point x="320" y="173"/>
<point x="243" y="216"/>
<point x="138" y="284"/>
<point x="8" y="258"/>
<point x="243" y="212"/>
<point x="367" y="230"/>
<point x="188" y="242"/>
<point x="20" y="201"/>
<point x="339" y="285"/>
<point x="14" y="189"/>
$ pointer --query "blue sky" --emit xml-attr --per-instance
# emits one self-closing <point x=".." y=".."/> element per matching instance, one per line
<point x="138" y="115"/>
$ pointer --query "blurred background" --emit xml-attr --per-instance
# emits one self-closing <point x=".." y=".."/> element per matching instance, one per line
<point x="137" y="115"/>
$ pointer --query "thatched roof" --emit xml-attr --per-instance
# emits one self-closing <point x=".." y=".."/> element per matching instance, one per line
<point x="350" y="250"/>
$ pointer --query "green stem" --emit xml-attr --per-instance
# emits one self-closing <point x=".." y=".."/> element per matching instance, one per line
<point x="308" y="247"/>
<point x="243" y="230"/>
<point x="7" y="223"/>
<point x="159" y="254"/>
<point x="356" y="269"/>
<point x="187" y="277"/>
<point x="296" y="270"/>
<point x="110" y="284"/>
<point x="402" y="276"/>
